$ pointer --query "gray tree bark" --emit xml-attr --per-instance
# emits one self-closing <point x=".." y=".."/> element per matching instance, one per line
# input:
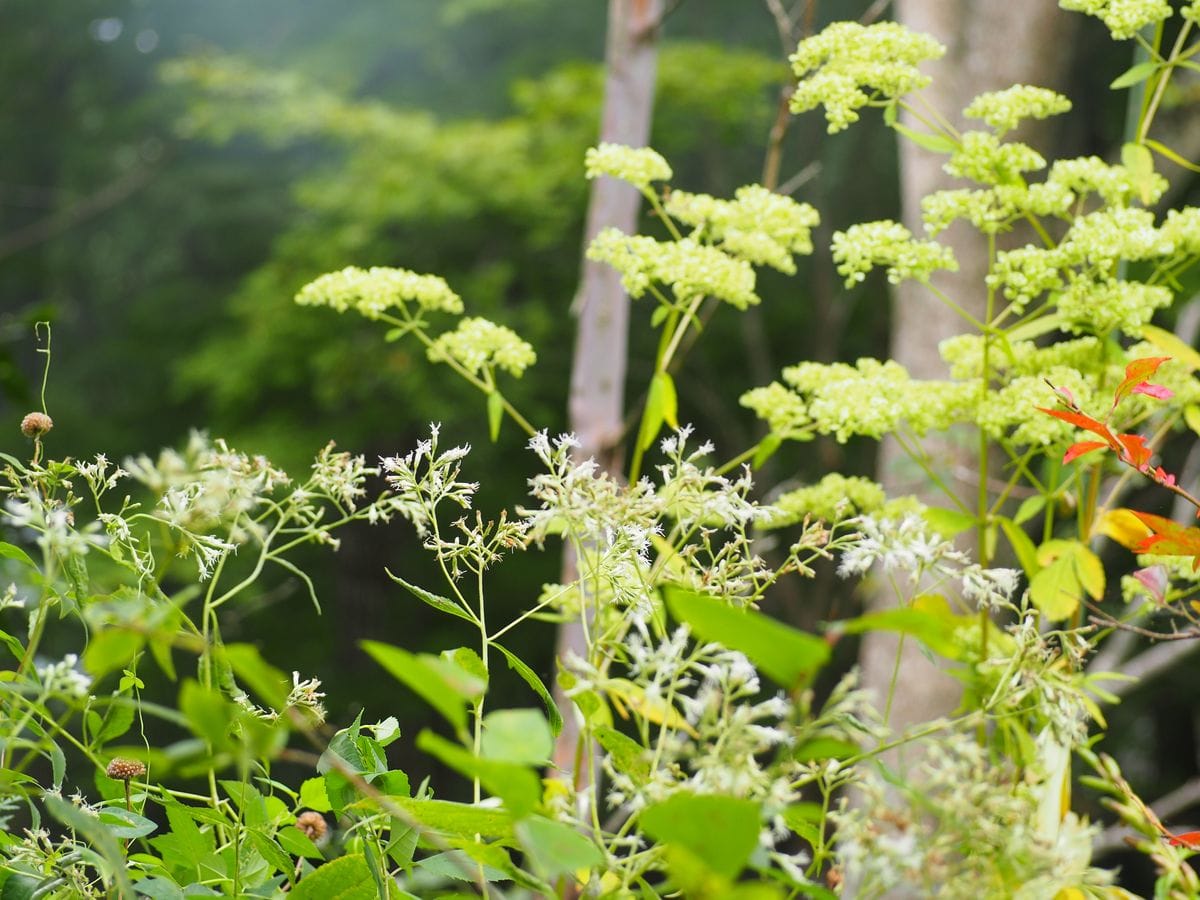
<point x="990" y="46"/>
<point x="602" y="307"/>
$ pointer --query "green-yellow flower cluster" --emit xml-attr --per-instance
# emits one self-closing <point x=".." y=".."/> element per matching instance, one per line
<point x="1115" y="184"/>
<point x="637" y="165"/>
<point x="833" y="498"/>
<point x="780" y="408"/>
<point x="848" y="65"/>
<point x="690" y="268"/>
<point x="374" y="291"/>
<point x="994" y="209"/>
<point x="1124" y="18"/>
<point x="1103" y="306"/>
<point x="758" y="225"/>
<point x="1004" y="110"/>
<point x="477" y="343"/>
<point x="983" y="157"/>
<point x="861" y="248"/>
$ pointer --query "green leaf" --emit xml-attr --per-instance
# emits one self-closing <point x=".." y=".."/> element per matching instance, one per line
<point x="517" y="735"/>
<point x="556" y="848"/>
<point x="495" y="414"/>
<point x="1135" y="74"/>
<point x="77" y="574"/>
<point x="530" y="678"/>
<point x="948" y="522"/>
<point x="1055" y="590"/>
<point x="1029" y="508"/>
<point x="264" y="680"/>
<point x="19" y="887"/>
<point x="442" y="604"/>
<point x="825" y="748"/>
<point x="111" y="650"/>
<point x="938" y="143"/>
<point x="208" y="713"/>
<point x="766" y="449"/>
<point x="457" y="818"/>
<point x="518" y="786"/>
<point x="313" y="796"/>
<point x="270" y="851"/>
<point x="1140" y="163"/>
<point x="928" y="619"/>
<point x="159" y="888"/>
<point x="722" y="831"/>
<point x="422" y="679"/>
<point x="661" y="406"/>
<point x="297" y="843"/>
<point x="786" y="655"/>
<point x="125" y="824"/>
<point x="1170" y="154"/>
<point x="116" y="722"/>
<point x="345" y="878"/>
<point x="626" y="754"/>
<point x="1022" y="545"/>
<point x="11" y="551"/>
<point x="459" y="865"/>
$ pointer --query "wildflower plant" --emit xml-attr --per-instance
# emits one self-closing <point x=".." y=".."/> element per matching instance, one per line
<point x="707" y="758"/>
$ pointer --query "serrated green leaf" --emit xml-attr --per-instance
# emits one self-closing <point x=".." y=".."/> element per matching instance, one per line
<point x="297" y="843"/>
<point x="442" y="604"/>
<point x="345" y="878"/>
<point x="313" y="796"/>
<point x="626" y="754"/>
<point x="269" y="684"/>
<point x="270" y="851"/>
<point x="458" y="818"/>
<point x="1055" y="590"/>
<point x="98" y="835"/>
<point x="787" y="655"/>
<point x="111" y="650"/>
<point x="1029" y="508"/>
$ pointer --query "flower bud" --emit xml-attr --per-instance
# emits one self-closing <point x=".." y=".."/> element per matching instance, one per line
<point x="36" y="424"/>
<point x="313" y="825"/>
<point x="124" y="769"/>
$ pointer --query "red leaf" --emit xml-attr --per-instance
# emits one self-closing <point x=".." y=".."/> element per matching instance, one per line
<point x="1136" y="374"/>
<point x="1134" y="451"/>
<point x="1077" y="450"/>
<point x="1087" y="423"/>
<point x="1163" y="477"/>
<point x="1157" y="391"/>
<point x="1189" y="839"/>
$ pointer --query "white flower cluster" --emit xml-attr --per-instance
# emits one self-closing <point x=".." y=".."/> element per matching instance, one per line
<point x="691" y="269"/>
<point x="758" y="225"/>
<point x="861" y="248"/>
<point x="477" y="344"/>
<point x="1124" y="18"/>
<point x="424" y="478"/>
<point x="848" y="65"/>
<point x="1004" y="110"/>
<point x="64" y="677"/>
<point x="372" y="292"/>
<point x="637" y="165"/>
<point x="340" y="476"/>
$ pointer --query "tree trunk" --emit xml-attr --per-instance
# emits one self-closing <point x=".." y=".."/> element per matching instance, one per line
<point x="598" y="368"/>
<point x="989" y="46"/>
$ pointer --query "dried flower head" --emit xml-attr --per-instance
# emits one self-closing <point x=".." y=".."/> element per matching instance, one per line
<point x="122" y="769"/>
<point x="313" y="825"/>
<point x="36" y="424"/>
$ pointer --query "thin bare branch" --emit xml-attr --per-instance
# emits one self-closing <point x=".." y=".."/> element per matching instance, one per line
<point x="874" y="11"/>
<point x="1183" y="797"/>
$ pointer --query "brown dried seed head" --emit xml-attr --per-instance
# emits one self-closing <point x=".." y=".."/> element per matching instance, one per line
<point x="313" y="825"/>
<point x="125" y="769"/>
<point x="36" y="424"/>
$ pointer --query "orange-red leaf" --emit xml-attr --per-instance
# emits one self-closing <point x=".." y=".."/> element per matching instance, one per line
<point x="1077" y="450"/>
<point x="1135" y="451"/>
<point x="1138" y="373"/>
<point x="1169" y="538"/>
<point x="1189" y="839"/>
<point x="1085" y="422"/>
